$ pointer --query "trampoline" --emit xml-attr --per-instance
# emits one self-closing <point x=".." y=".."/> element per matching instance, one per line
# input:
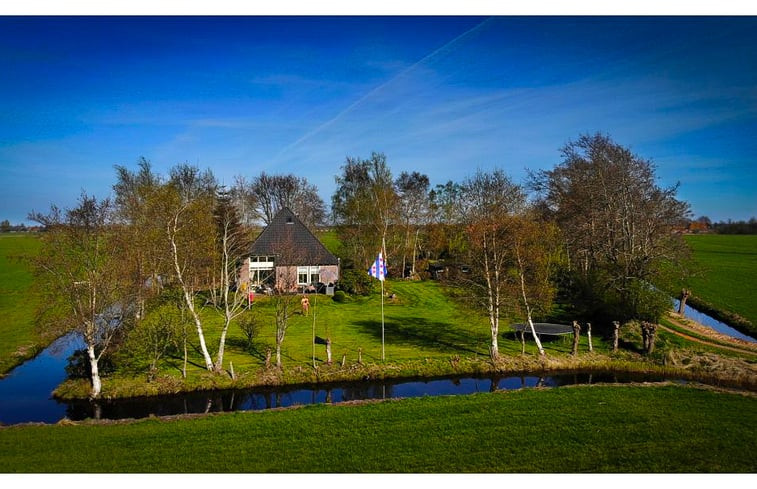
<point x="544" y="328"/>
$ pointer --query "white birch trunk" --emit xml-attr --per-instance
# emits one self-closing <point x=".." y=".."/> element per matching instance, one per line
<point x="188" y="297"/>
<point x="525" y="302"/>
<point x="96" y="384"/>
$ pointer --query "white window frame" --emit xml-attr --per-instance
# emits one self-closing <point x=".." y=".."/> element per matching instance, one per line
<point x="309" y="272"/>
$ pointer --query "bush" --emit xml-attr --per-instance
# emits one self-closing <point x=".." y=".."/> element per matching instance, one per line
<point x="340" y="296"/>
<point x="356" y="282"/>
<point x="250" y="324"/>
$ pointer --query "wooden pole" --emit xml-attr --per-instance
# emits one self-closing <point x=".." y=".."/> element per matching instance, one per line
<point x="615" y="335"/>
<point x="588" y="336"/>
<point x="576" y="333"/>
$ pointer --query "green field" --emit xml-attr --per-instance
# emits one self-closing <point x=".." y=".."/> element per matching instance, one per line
<point x="582" y="429"/>
<point x="729" y="263"/>
<point x="18" y="301"/>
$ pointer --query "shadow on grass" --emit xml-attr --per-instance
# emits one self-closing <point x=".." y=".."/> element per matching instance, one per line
<point x="422" y="333"/>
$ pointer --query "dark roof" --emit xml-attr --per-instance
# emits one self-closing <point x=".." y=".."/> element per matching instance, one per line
<point x="287" y="231"/>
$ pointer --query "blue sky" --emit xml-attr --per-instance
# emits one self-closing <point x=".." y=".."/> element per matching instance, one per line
<point x="441" y="95"/>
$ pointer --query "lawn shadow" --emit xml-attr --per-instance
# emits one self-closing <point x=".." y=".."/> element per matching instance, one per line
<point x="423" y="333"/>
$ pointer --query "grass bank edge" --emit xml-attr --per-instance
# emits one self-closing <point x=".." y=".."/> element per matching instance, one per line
<point x="120" y="388"/>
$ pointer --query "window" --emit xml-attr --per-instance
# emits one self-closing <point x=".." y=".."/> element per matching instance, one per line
<point x="308" y="275"/>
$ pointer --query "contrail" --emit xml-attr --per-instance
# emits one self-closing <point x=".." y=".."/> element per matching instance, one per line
<point x="380" y="87"/>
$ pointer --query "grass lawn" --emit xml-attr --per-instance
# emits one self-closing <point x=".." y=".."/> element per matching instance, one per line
<point x="422" y="326"/>
<point x="18" y="301"/>
<point x="729" y="281"/>
<point x="581" y="429"/>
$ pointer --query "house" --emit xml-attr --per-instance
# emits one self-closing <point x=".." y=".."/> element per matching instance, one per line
<point x="287" y="256"/>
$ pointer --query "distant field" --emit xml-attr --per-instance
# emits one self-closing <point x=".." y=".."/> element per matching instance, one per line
<point x="17" y="299"/>
<point x="582" y="429"/>
<point x="730" y="272"/>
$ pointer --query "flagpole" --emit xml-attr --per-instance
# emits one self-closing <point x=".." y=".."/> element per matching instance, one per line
<point x="315" y="301"/>
<point x="382" y="321"/>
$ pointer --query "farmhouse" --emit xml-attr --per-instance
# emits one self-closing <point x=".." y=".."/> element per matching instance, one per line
<point x="287" y="256"/>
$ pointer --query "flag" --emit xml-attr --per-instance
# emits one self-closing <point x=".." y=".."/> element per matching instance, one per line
<point x="378" y="269"/>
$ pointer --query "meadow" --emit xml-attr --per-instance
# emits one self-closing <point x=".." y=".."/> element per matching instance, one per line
<point x="567" y="429"/>
<point x="728" y="265"/>
<point x="19" y="339"/>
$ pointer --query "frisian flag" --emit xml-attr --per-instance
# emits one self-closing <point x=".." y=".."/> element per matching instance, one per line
<point x="378" y="269"/>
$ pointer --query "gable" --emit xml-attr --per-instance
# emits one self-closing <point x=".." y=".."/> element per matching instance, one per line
<point x="291" y="241"/>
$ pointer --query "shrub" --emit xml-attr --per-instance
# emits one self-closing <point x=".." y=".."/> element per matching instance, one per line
<point x="340" y="296"/>
<point x="250" y="324"/>
<point x="356" y="282"/>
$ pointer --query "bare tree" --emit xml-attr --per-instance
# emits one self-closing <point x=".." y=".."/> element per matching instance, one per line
<point x="285" y="299"/>
<point x="616" y="221"/>
<point x="245" y="201"/>
<point x="413" y="203"/>
<point x="78" y="269"/>
<point x="145" y="259"/>
<point x="188" y="201"/>
<point x="488" y="200"/>
<point x="232" y="245"/>
<point x="364" y="206"/>
<point x="272" y="193"/>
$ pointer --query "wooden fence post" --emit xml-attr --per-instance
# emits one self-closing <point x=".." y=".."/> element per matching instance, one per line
<point x="682" y="305"/>
<point x="615" y="335"/>
<point x="576" y="334"/>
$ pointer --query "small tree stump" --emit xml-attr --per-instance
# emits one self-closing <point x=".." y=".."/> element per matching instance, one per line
<point x="344" y="360"/>
<point x="576" y="335"/>
<point x="360" y="356"/>
<point x="615" y="335"/>
<point x="328" y="351"/>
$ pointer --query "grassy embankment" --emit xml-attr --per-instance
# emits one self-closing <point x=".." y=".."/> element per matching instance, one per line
<point x="19" y="339"/>
<point x="578" y="429"/>
<point x="427" y="334"/>
<point x="729" y="281"/>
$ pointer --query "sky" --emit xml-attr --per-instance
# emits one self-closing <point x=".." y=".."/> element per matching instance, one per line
<point x="442" y="95"/>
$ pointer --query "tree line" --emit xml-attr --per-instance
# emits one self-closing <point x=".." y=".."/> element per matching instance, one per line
<point x="136" y="271"/>
<point x="595" y="232"/>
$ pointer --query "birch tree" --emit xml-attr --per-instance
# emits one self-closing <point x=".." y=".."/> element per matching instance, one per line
<point x="232" y="244"/>
<point x="412" y="196"/>
<point x="78" y="272"/>
<point x="141" y="231"/>
<point x="189" y="201"/>
<point x="535" y="248"/>
<point x="487" y="202"/>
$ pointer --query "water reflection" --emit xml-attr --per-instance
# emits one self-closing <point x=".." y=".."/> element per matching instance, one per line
<point x="256" y="400"/>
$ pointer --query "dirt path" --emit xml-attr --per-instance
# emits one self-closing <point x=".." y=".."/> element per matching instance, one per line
<point x="733" y="344"/>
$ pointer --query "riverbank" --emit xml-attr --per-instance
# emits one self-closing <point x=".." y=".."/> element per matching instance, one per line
<point x="20" y="340"/>
<point x="601" y="429"/>
<point x="725" y="288"/>
<point x="731" y="372"/>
